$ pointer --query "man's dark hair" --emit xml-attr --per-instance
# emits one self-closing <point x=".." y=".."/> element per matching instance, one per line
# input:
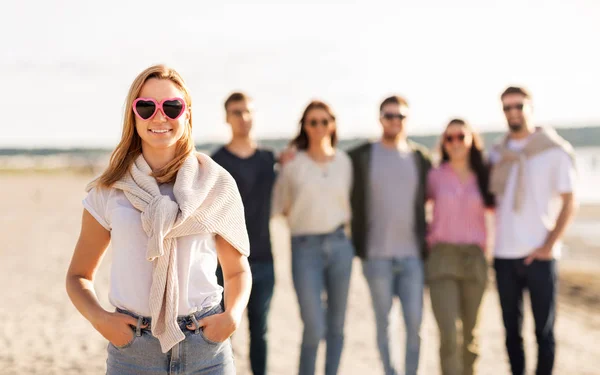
<point x="516" y="90"/>
<point x="396" y="99"/>
<point x="237" y="97"/>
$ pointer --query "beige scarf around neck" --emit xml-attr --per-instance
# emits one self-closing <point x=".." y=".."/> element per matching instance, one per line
<point x="207" y="200"/>
<point x="541" y="140"/>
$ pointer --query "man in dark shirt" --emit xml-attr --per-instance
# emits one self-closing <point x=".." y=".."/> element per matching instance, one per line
<point x="253" y="170"/>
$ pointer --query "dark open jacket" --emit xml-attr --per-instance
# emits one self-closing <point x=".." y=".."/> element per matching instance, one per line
<point x="361" y="163"/>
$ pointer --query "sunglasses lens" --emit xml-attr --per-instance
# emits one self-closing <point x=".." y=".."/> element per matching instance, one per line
<point x="145" y="109"/>
<point x="173" y="108"/>
<point x="518" y="107"/>
<point x="391" y="116"/>
<point x="459" y="137"/>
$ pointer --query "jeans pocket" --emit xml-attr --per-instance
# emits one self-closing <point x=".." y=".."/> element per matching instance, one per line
<point x="209" y="341"/>
<point x="121" y="347"/>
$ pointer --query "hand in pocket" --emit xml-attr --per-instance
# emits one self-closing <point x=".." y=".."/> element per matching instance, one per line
<point x="216" y="328"/>
<point x="117" y="328"/>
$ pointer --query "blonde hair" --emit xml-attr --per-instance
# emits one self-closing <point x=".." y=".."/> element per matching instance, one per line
<point x="130" y="146"/>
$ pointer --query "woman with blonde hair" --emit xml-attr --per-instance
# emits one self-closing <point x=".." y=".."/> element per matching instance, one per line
<point x="313" y="193"/>
<point x="169" y="213"/>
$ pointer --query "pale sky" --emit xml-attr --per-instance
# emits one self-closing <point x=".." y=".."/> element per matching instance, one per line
<point x="66" y="66"/>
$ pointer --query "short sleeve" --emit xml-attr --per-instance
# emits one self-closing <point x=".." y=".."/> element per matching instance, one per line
<point x="565" y="174"/>
<point x="96" y="204"/>
<point x="272" y="159"/>
<point x="270" y="162"/>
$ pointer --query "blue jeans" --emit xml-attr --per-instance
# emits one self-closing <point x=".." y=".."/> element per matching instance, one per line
<point x="195" y="355"/>
<point x="403" y="278"/>
<point x="263" y="282"/>
<point x="540" y="278"/>
<point x="322" y="262"/>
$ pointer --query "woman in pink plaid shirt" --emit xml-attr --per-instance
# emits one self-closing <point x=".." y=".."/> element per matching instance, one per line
<point x="456" y="268"/>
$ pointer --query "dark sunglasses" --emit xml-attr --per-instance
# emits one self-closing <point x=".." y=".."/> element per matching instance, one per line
<point x="146" y="108"/>
<point x="391" y="116"/>
<point x="449" y="138"/>
<point x="518" y="107"/>
<point x="314" y="123"/>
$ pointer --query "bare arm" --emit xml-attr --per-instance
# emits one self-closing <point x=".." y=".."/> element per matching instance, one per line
<point x="89" y="251"/>
<point x="564" y="218"/>
<point x="237" y="278"/>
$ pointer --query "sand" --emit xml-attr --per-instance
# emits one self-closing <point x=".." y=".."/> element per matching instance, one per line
<point x="42" y="333"/>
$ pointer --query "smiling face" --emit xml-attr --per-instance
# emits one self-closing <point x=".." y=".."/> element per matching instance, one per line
<point x="318" y="125"/>
<point x="393" y="120"/>
<point x="457" y="141"/>
<point x="518" y="111"/>
<point x="160" y="132"/>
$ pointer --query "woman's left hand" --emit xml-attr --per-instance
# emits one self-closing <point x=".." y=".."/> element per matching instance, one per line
<point x="216" y="328"/>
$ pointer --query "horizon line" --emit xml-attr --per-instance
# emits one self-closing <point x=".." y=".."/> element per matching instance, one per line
<point x="259" y="139"/>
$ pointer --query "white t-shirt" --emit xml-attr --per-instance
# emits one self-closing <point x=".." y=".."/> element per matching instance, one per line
<point x="547" y="175"/>
<point x="315" y="198"/>
<point x="131" y="272"/>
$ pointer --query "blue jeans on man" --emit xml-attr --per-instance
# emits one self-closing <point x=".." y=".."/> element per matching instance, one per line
<point x="263" y="282"/>
<point x="403" y="278"/>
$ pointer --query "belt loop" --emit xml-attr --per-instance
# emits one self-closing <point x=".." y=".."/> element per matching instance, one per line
<point x="138" y="330"/>
<point x="193" y="317"/>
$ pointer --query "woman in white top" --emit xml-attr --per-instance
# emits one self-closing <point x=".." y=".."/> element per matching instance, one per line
<point x="169" y="212"/>
<point x="313" y="192"/>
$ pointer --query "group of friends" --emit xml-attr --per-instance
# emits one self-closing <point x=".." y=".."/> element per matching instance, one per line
<point x="371" y="201"/>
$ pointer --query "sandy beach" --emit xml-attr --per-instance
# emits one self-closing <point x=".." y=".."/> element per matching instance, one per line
<point x="42" y="333"/>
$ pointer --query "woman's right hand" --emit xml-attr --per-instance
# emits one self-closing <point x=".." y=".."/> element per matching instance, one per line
<point x="116" y="327"/>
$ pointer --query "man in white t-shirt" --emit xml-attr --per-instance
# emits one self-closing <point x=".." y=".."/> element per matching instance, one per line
<point x="533" y="177"/>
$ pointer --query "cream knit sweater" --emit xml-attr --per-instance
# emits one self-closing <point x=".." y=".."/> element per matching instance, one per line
<point x="207" y="201"/>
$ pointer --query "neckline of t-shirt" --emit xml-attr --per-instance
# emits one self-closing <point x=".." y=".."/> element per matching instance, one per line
<point x="518" y="144"/>
<point x="319" y="163"/>
<point x="402" y="153"/>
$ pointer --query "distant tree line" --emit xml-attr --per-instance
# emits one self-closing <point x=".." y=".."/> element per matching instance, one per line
<point x="579" y="137"/>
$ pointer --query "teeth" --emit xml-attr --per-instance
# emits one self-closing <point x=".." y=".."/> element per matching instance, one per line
<point x="159" y="130"/>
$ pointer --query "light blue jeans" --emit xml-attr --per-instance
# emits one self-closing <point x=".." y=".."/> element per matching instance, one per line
<point x="403" y="278"/>
<point x="195" y="355"/>
<point x="322" y="263"/>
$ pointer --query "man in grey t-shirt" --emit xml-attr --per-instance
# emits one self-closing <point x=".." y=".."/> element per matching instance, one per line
<point x="388" y="226"/>
<point x="392" y="189"/>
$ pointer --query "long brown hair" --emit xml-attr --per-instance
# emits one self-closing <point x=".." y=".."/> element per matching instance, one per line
<point x="130" y="145"/>
<point x="477" y="161"/>
<point x="301" y="140"/>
